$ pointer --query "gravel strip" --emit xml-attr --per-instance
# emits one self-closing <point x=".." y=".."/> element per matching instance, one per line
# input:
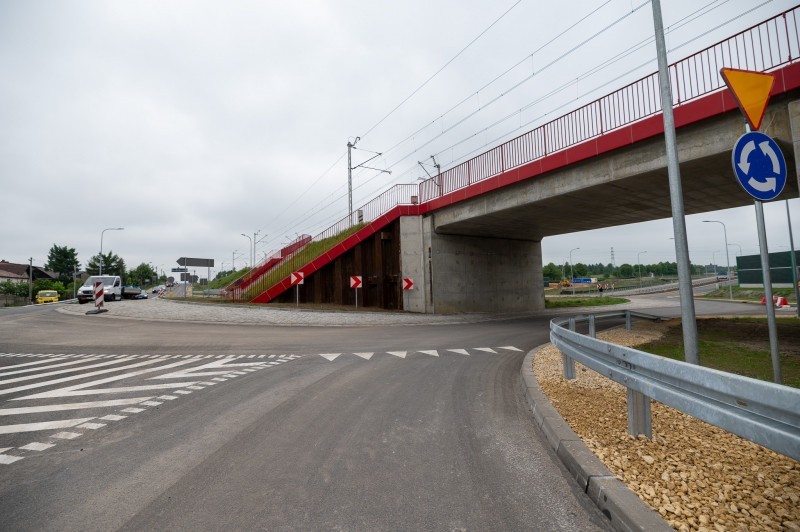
<point x="697" y="476"/>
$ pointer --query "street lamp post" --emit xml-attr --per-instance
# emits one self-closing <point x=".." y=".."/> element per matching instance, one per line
<point x="251" y="247"/>
<point x="640" y="268"/>
<point x="727" y="256"/>
<point x="571" y="273"/>
<point x="101" y="244"/>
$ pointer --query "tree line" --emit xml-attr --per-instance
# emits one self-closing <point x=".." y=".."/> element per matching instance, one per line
<point x="64" y="261"/>
<point x="608" y="271"/>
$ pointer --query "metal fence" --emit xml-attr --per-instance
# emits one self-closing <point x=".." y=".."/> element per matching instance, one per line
<point x="759" y="411"/>
<point x="763" y="47"/>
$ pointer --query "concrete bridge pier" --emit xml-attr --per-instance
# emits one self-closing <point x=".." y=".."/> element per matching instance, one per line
<point x="458" y="273"/>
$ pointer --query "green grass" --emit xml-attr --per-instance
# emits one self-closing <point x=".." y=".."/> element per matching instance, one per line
<point x="225" y="281"/>
<point x="583" y="302"/>
<point x="313" y="250"/>
<point x="750" y="294"/>
<point x="739" y="345"/>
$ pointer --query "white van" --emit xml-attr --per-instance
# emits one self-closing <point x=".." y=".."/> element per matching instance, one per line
<point x="112" y="288"/>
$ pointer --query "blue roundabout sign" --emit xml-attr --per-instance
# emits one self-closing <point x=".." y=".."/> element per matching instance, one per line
<point x="759" y="166"/>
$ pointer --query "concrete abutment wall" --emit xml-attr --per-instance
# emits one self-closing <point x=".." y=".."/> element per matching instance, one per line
<point x="457" y="273"/>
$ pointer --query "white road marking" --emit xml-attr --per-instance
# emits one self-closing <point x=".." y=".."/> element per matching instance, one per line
<point x="44" y="425"/>
<point x="330" y="356"/>
<point x="183" y="392"/>
<point x="400" y="354"/>
<point x="27" y="364"/>
<point x="76" y="377"/>
<point x="432" y="352"/>
<point x="61" y="371"/>
<point x="8" y="459"/>
<point x="133" y="410"/>
<point x="510" y="348"/>
<point x="459" y="351"/>
<point x="365" y="356"/>
<point x="80" y="389"/>
<point x="92" y="426"/>
<point x="486" y="349"/>
<point x="70" y="406"/>
<point x="195" y="387"/>
<point x="36" y="446"/>
<point x="151" y="403"/>
<point x="113" y="417"/>
<point x="166" y="397"/>
<point x="66" y="435"/>
<point x="4" y="449"/>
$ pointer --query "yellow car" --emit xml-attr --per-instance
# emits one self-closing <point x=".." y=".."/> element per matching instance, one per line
<point x="46" y="296"/>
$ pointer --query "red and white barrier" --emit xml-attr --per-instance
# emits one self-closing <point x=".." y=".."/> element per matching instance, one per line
<point x="98" y="294"/>
<point x="778" y="301"/>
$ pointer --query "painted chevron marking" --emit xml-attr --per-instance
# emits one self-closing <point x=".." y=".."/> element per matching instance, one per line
<point x="486" y="349"/>
<point x="43" y="425"/>
<point x="510" y="348"/>
<point x="432" y="352"/>
<point x="330" y="356"/>
<point x="459" y="351"/>
<point x="401" y="354"/>
<point x="365" y="356"/>
<point x="70" y="406"/>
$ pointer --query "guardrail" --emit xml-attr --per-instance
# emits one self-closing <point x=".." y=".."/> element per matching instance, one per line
<point x="759" y="411"/>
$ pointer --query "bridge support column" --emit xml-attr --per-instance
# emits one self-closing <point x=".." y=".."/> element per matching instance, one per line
<point x="456" y="273"/>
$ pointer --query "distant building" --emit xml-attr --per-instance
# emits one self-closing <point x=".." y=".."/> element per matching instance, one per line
<point x="780" y="270"/>
<point x="19" y="273"/>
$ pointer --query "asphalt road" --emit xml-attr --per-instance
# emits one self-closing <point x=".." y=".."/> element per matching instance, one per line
<point x="210" y="426"/>
<point x="386" y="442"/>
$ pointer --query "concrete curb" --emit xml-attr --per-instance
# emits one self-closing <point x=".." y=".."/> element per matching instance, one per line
<point x="624" y="509"/>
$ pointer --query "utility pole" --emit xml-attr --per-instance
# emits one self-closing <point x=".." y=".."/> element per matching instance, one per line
<point x="30" y="281"/>
<point x="350" y="147"/>
<point x="688" y="319"/>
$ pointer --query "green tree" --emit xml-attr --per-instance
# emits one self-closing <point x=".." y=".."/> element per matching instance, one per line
<point x="64" y="260"/>
<point x="112" y="264"/>
<point x="626" y="270"/>
<point x="14" y="289"/>
<point x="581" y="270"/>
<point x="552" y="272"/>
<point x="142" y="274"/>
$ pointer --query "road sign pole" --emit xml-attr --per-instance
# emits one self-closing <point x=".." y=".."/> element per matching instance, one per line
<point x="688" y="322"/>
<point x="356" y="297"/>
<point x="773" y="329"/>
<point x="297" y="293"/>
<point x="794" y="262"/>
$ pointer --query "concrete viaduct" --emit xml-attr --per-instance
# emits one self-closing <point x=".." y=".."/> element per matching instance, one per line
<point x="470" y="238"/>
<point x="484" y="253"/>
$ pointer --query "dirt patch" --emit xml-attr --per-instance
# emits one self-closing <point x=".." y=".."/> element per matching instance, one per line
<point x="697" y="476"/>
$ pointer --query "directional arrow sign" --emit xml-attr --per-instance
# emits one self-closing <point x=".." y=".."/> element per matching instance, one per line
<point x="355" y="281"/>
<point x="751" y="91"/>
<point x="759" y="166"/>
<point x="297" y="278"/>
<point x="408" y="284"/>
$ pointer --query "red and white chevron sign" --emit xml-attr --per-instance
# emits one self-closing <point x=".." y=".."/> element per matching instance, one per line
<point x="355" y="281"/>
<point x="408" y="284"/>
<point x="297" y="278"/>
<point x="98" y="294"/>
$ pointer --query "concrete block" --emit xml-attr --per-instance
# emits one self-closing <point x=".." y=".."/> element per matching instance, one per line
<point x="581" y="462"/>
<point x="556" y="429"/>
<point x="624" y="509"/>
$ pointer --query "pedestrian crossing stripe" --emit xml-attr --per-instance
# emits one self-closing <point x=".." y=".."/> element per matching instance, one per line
<point x="61" y="371"/>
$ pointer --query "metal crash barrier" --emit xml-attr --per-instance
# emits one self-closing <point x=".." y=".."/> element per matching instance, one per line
<point x="759" y="411"/>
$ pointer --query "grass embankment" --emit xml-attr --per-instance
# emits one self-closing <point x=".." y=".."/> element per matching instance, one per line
<point x="313" y="250"/>
<point x="225" y="281"/>
<point x="737" y="345"/>
<point x="583" y="302"/>
<point x="750" y="294"/>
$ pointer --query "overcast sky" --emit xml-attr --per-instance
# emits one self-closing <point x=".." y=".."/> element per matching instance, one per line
<point x="191" y="122"/>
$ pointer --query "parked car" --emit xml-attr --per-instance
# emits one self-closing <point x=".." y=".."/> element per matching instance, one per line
<point x="46" y="296"/>
<point x="112" y="288"/>
<point x="141" y="295"/>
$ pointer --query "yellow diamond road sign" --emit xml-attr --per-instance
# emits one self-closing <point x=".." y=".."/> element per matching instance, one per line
<point x="751" y="91"/>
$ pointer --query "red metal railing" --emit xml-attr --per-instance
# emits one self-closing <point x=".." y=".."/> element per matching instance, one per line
<point x="763" y="47"/>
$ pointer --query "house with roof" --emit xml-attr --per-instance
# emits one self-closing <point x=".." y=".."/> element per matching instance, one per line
<point x="19" y="273"/>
